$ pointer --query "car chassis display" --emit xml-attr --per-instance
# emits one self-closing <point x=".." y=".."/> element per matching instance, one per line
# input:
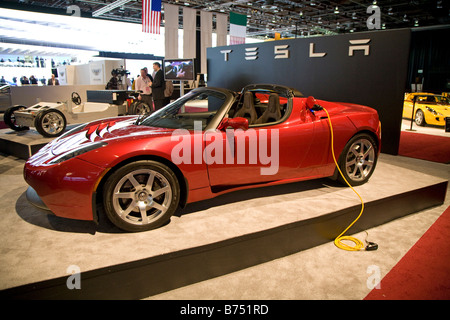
<point x="51" y="118"/>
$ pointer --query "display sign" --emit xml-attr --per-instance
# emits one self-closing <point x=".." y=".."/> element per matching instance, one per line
<point x="62" y="75"/>
<point x="96" y="73"/>
<point x="179" y="69"/>
<point x="367" y="68"/>
<point x="447" y="124"/>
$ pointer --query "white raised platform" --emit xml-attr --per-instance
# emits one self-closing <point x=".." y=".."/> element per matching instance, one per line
<point x="205" y="240"/>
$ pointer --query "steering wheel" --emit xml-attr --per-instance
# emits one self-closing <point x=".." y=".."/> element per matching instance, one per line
<point x="76" y="98"/>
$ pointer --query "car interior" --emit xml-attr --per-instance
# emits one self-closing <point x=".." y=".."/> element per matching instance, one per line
<point x="260" y="107"/>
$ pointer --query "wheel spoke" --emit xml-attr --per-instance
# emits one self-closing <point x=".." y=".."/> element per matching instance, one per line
<point x="133" y="180"/>
<point x="351" y="162"/>
<point x="160" y="191"/>
<point x="369" y="149"/>
<point x="124" y="195"/>
<point x="143" y="211"/>
<point x="127" y="211"/>
<point x="150" y="180"/>
<point x="159" y="207"/>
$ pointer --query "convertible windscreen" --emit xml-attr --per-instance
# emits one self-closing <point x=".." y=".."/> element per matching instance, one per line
<point x="182" y="113"/>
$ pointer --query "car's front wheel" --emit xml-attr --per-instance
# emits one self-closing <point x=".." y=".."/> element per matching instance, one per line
<point x="358" y="159"/>
<point x="50" y="123"/>
<point x="141" y="196"/>
<point x="420" y="118"/>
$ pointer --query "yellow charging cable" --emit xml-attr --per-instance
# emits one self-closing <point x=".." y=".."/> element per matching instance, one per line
<point x="359" y="245"/>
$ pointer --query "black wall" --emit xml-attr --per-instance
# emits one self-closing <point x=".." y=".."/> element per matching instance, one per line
<point x="430" y="53"/>
<point x="377" y="80"/>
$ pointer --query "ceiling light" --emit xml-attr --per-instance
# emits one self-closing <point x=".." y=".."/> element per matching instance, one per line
<point x="301" y="13"/>
<point x="416" y="23"/>
<point x="383" y="26"/>
<point x="405" y="18"/>
<point x="312" y="3"/>
<point x="390" y="11"/>
<point x="269" y="5"/>
<point x="336" y="10"/>
<point x="354" y="16"/>
<point x="439" y="4"/>
<point x="319" y="20"/>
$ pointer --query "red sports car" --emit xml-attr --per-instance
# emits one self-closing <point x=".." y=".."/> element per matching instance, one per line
<point x="208" y="142"/>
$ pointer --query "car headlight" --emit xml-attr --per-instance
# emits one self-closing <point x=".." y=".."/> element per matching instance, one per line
<point x="76" y="152"/>
<point x="431" y="110"/>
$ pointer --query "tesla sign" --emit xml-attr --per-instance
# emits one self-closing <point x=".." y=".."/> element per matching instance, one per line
<point x="283" y="51"/>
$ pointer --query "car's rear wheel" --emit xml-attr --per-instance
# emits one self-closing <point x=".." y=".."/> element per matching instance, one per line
<point x="420" y="118"/>
<point x="358" y="159"/>
<point x="50" y="123"/>
<point x="141" y="196"/>
<point x="140" y="108"/>
<point x="10" y="119"/>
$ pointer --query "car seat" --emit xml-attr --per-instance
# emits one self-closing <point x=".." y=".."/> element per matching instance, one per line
<point x="248" y="110"/>
<point x="273" y="111"/>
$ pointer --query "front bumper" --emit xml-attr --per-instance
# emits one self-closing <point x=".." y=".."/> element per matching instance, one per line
<point x="35" y="200"/>
<point x="66" y="189"/>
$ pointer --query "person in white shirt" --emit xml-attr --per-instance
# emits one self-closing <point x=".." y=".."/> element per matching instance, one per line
<point x="143" y="85"/>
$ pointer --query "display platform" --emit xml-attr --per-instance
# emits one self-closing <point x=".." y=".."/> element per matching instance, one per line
<point x="23" y="144"/>
<point x="205" y="240"/>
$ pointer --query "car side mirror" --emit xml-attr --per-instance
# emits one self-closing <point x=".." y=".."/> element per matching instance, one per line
<point x="310" y="102"/>
<point x="235" y="123"/>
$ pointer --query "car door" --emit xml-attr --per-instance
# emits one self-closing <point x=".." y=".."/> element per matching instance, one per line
<point x="261" y="154"/>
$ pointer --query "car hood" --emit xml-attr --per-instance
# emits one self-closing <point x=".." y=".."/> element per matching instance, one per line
<point x="104" y="130"/>
<point x="442" y="108"/>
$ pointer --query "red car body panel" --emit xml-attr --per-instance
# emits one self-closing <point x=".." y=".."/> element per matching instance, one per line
<point x="67" y="188"/>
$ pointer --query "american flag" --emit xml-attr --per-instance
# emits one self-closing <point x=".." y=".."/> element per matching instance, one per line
<point x="151" y="16"/>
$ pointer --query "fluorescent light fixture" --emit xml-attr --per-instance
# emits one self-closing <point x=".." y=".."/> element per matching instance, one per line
<point x="12" y="48"/>
<point x="109" y="7"/>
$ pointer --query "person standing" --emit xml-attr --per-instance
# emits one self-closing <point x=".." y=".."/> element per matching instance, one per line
<point x="143" y="85"/>
<point x="53" y="81"/>
<point x="158" y="85"/>
<point x="168" y="92"/>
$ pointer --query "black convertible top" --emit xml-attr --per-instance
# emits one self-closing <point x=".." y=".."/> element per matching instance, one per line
<point x="286" y="91"/>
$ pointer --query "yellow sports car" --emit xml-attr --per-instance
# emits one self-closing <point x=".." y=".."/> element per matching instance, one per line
<point x="429" y="109"/>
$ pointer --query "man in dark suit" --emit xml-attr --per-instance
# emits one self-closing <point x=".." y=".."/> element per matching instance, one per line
<point x="158" y="86"/>
<point x="53" y="81"/>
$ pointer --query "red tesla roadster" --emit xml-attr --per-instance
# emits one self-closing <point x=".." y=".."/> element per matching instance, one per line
<point x="206" y="143"/>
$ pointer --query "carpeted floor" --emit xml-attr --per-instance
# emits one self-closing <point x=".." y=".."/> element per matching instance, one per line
<point x="425" y="147"/>
<point x="423" y="273"/>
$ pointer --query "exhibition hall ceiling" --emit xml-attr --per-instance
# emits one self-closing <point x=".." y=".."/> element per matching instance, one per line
<point x="289" y="18"/>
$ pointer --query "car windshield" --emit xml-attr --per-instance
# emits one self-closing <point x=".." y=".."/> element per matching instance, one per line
<point x="442" y="100"/>
<point x="196" y="106"/>
<point x="432" y="99"/>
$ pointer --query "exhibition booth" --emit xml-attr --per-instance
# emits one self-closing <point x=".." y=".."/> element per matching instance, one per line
<point x="223" y="225"/>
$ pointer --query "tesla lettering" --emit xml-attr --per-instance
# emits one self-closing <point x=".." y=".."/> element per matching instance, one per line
<point x="251" y="53"/>
<point x="283" y="51"/>
<point x="360" y="45"/>
<point x="312" y="54"/>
